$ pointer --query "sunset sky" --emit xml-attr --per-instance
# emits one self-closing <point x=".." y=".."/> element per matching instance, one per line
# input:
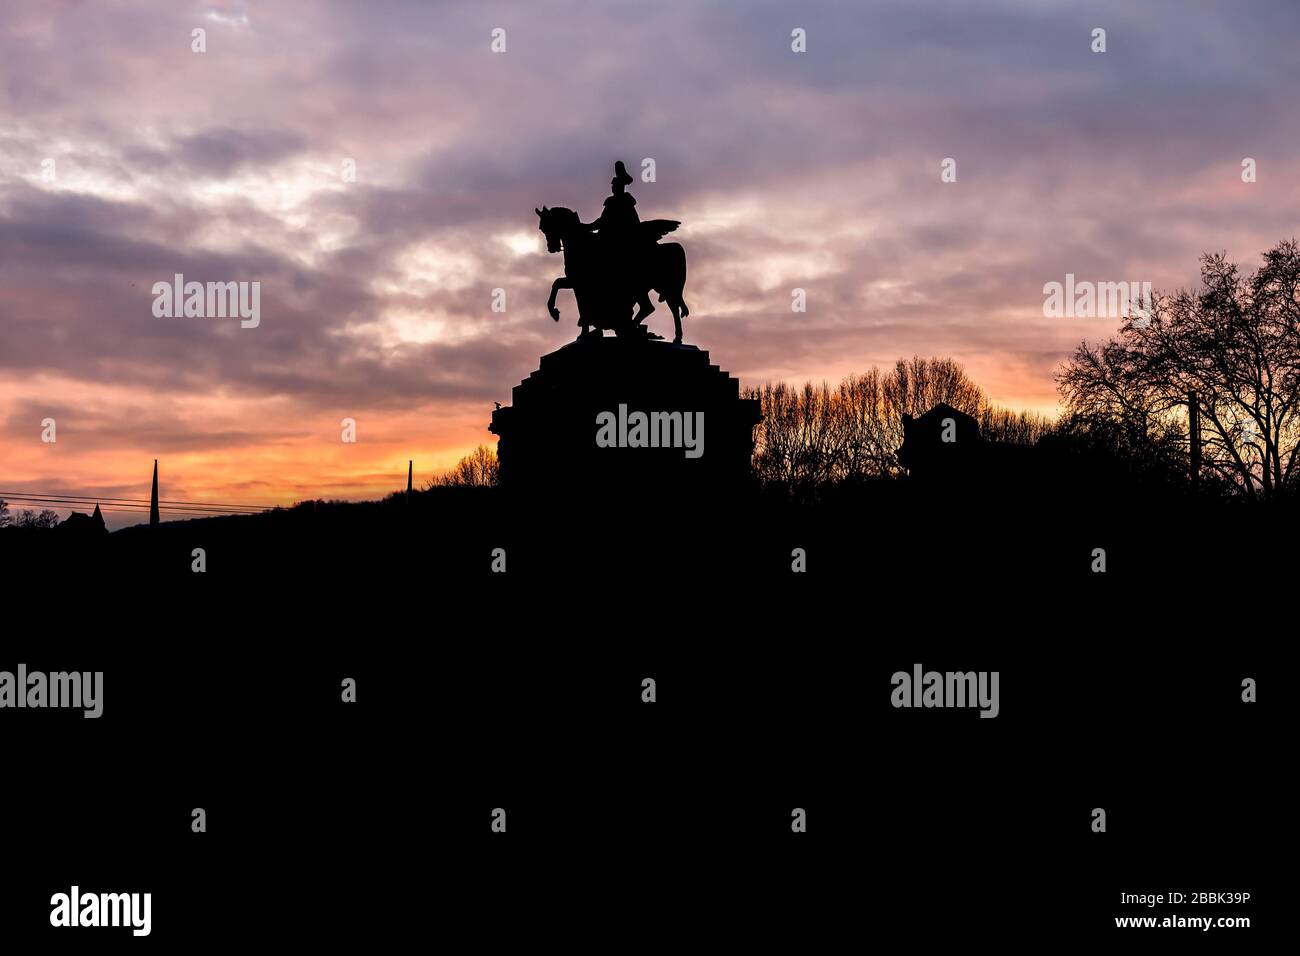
<point x="818" y="170"/>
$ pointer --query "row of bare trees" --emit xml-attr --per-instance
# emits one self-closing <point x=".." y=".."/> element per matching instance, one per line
<point x="818" y="435"/>
<point x="1234" y="344"/>
<point x="27" y="518"/>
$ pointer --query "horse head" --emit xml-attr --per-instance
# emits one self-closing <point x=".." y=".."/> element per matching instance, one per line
<point x="556" y="224"/>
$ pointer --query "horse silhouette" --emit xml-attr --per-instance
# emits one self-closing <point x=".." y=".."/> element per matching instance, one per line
<point x="608" y="282"/>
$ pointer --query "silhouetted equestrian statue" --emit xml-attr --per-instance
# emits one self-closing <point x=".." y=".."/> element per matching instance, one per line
<point x="608" y="419"/>
<point x="611" y="264"/>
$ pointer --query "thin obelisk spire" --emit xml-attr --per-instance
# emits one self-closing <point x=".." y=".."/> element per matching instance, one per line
<point x="153" y="498"/>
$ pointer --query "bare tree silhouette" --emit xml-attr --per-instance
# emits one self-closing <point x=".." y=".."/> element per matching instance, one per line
<point x="478" y="469"/>
<point x="1233" y="344"/>
<point x="32" y="519"/>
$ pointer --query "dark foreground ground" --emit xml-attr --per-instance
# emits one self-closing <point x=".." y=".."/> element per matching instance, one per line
<point x="665" y="823"/>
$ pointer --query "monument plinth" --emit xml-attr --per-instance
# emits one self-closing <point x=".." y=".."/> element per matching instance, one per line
<point x="613" y="416"/>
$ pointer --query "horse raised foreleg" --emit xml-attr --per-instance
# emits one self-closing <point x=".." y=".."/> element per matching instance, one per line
<point x="563" y="282"/>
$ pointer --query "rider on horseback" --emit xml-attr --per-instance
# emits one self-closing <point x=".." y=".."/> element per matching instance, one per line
<point x="614" y="262"/>
<point x="619" y="227"/>
<point x="619" y="222"/>
<point x="625" y="240"/>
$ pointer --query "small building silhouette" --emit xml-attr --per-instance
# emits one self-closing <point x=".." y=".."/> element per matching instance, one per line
<point x="942" y="443"/>
<point x="85" y="525"/>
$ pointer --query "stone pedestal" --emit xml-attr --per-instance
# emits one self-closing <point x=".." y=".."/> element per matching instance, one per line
<point x="605" y="388"/>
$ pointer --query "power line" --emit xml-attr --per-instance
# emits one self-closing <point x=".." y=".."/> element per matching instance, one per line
<point x="128" y="507"/>
<point x="163" y="502"/>
<point x="171" y="513"/>
<point x="131" y="501"/>
<point x="42" y="500"/>
<point x="145" y="512"/>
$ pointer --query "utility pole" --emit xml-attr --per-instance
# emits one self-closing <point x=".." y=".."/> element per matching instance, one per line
<point x="409" y="465"/>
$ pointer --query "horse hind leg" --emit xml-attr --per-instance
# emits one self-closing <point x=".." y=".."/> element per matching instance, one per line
<point x="675" y="299"/>
<point x="678" y="306"/>
<point x="675" y="306"/>
<point x="645" y="307"/>
<point x="675" y="302"/>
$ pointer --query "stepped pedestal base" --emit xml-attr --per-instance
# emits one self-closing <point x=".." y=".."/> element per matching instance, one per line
<point x="614" y="417"/>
